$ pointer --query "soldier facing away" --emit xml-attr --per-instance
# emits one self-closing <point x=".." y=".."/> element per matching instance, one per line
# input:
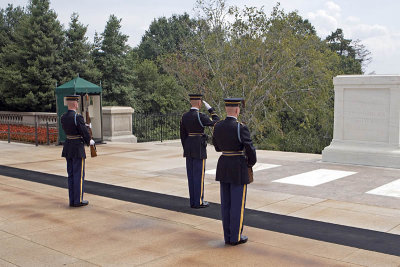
<point x="194" y="142"/>
<point x="232" y="138"/>
<point x="77" y="133"/>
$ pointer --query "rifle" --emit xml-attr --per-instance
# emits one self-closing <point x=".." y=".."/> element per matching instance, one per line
<point x="93" y="150"/>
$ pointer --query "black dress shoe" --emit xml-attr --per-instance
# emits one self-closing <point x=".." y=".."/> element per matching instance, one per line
<point x="83" y="203"/>
<point x="243" y="239"/>
<point x="204" y="205"/>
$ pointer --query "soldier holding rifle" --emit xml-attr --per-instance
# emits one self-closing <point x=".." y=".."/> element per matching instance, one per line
<point x="234" y="170"/>
<point x="77" y="133"/>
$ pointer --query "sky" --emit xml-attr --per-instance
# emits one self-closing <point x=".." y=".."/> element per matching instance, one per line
<point x="375" y="23"/>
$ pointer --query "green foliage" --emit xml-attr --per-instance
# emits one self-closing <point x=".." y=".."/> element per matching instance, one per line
<point x="353" y="55"/>
<point x="156" y="92"/>
<point x="165" y="35"/>
<point x="110" y="57"/>
<point x="9" y="19"/>
<point x="277" y="62"/>
<point x="31" y="63"/>
<point x="76" y="54"/>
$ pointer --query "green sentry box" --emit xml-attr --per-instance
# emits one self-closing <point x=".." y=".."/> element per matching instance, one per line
<point x="81" y="87"/>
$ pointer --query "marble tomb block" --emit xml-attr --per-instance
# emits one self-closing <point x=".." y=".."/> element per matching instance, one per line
<point x="366" y="121"/>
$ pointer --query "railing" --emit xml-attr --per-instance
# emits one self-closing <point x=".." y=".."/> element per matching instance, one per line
<point x="27" y="118"/>
<point x="30" y="127"/>
<point x="15" y="118"/>
<point x="155" y="127"/>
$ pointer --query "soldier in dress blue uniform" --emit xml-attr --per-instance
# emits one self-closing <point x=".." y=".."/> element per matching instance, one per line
<point x="77" y="133"/>
<point x="194" y="143"/>
<point x="232" y="138"/>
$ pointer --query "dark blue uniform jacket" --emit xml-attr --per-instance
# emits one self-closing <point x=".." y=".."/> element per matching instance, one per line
<point x="228" y="137"/>
<point x="193" y="139"/>
<point x="74" y="148"/>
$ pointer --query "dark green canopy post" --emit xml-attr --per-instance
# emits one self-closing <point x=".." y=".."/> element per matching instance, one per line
<point x="80" y="87"/>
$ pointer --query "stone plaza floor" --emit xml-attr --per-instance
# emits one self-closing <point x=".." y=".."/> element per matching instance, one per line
<point x="38" y="228"/>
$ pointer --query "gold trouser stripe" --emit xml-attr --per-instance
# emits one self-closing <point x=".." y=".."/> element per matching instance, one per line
<point x="202" y="183"/>
<point x="241" y="212"/>
<point x="83" y="162"/>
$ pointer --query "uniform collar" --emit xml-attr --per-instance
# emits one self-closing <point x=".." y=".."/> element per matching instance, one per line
<point x="231" y="118"/>
<point x="193" y="108"/>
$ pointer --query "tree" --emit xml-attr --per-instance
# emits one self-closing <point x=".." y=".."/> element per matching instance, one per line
<point x="155" y="92"/>
<point x="165" y="36"/>
<point x="110" y="56"/>
<point x="276" y="62"/>
<point x="31" y="64"/>
<point x="354" y="56"/>
<point x="77" y="53"/>
<point x="9" y="19"/>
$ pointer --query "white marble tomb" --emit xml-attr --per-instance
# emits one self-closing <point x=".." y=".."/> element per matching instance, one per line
<point x="366" y="121"/>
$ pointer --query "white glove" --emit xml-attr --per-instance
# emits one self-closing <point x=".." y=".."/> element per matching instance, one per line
<point x="89" y="125"/>
<point x="92" y="142"/>
<point x="207" y="105"/>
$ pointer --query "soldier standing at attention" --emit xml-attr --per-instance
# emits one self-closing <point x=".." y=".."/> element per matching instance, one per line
<point x="232" y="138"/>
<point x="194" y="143"/>
<point x="74" y="150"/>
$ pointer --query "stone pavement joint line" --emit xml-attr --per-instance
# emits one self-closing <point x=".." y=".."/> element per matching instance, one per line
<point x="322" y="231"/>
